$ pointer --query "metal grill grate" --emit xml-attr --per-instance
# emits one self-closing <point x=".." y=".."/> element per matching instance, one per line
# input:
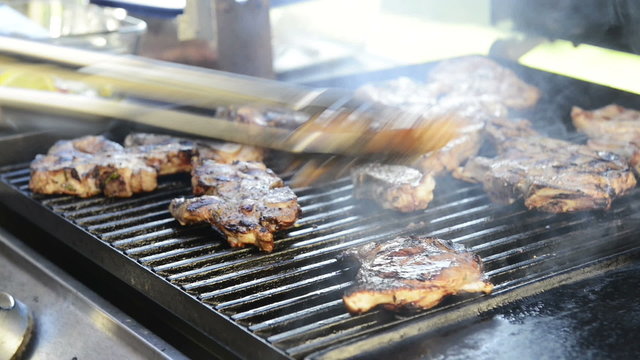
<point x="287" y="304"/>
<point x="291" y="298"/>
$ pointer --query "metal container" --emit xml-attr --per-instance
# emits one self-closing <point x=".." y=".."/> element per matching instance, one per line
<point x="77" y="23"/>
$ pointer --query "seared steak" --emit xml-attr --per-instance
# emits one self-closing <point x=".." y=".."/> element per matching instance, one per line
<point x="87" y="144"/>
<point x="245" y="201"/>
<point x="611" y="128"/>
<point x="175" y="154"/>
<point x="478" y="76"/>
<point x="89" y="166"/>
<point x="394" y="187"/>
<point x="166" y="154"/>
<point x="411" y="273"/>
<point x="85" y="175"/>
<point x="551" y="175"/>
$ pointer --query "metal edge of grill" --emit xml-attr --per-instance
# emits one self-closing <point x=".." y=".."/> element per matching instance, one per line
<point x="288" y="302"/>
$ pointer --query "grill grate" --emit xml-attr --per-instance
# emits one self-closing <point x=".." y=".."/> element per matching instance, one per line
<point x="287" y="304"/>
<point x="291" y="298"/>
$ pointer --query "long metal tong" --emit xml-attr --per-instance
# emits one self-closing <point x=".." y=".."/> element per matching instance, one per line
<point x="337" y="122"/>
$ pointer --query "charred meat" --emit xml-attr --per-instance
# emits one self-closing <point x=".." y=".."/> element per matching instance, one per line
<point x="479" y="76"/>
<point x="89" y="166"/>
<point x="412" y="273"/>
<point x="610" y="124"/>
<point x="551" y="175"/>
<point x="179" y="150"/>
<point x="166" y="154"/>
<point x="240" y="179"/>
<point x="475" y="115"/>
<point x="612" y="128"/>
<point x="80" y="174"/>
<point x="87" y="144"/>
<point x="394" y="187"/>
<point x="245" y="201"/>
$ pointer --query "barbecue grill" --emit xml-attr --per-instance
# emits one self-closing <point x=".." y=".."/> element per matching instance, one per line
<point x="287" y="304"/>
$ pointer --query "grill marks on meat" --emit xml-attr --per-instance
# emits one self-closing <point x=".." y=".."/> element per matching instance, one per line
<point x="611" y="128"/>
<point x="89" y="166"/>
<point x="475" y="90"/>
<point x="394" y="187"/>
<point x="240" y="179"/>
<point x="411" y="273"/>
<point x="478" y="76"/>
<point x="179" y="152"/>
<point x="166" y="154"/>
<point x="92" y="165"/>
<point x="245" y="201"/>
<point x="551" y="175"/>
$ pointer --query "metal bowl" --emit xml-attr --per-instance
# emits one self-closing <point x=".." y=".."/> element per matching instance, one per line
<point x="75" y="23"/>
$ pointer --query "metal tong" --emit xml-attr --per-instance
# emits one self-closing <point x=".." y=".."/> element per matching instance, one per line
<point x="336" y="122"/>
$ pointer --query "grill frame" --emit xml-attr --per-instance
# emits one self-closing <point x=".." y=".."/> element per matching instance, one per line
<point x="246" y="341"/>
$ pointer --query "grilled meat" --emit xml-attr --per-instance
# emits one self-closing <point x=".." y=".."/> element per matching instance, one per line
<point x="611" y="128"/>
<point x="177" y="153"/>
<point x="89" y="166"/>
<point x="87" y="144"/>
<point x="475" y="115"/>
<point x="84" y="175"/>
<point x="245" y="201"/>
<point x="226" y="152"/>
<point x="401" y="92"/>
<point x="473" y="112"/>
<point x="263" y="116"/>
<point x="551" y="175"/>
<point x="610" y="124"/>
<point x="240" y="179"/>
<point x="500" y="130"/>
<point x="394" y="187"/>
<point x="410" y="273"/>
<point x="166" y="154"/>
<point x="479" y="76"/>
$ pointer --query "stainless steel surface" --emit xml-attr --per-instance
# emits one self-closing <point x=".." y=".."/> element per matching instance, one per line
<point x="70" y="320"/>
<point x="16" y="325"/>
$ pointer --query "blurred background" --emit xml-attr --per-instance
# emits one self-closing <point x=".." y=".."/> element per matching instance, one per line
<point x="303" y="41"/>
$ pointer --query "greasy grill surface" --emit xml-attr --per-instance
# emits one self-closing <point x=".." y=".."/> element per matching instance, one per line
<point x="291" y="298"/>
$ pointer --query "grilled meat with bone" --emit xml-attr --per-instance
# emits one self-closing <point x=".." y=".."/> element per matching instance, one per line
<point x="612" y="128"/>
<point x="410" y="273"/>
<point x="246" y="201"/>
<point x="89" y="166"/>
<point x="393" y="186"/>
<point x="551" y="175"/>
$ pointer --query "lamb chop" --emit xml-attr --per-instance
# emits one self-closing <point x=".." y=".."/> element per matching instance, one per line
<point x="478" y="76"/>
<point x="90" y="144"/>
<point x="89" y="166"/>
<point x="551" y="175"/>
<point x="412" y="273"/>
<point x="393" y="186"/>
<point x="237" y="180"/>
<point x="170" y="154"/>
<point x="612" y="128"/>
<point x="245" y="201"/>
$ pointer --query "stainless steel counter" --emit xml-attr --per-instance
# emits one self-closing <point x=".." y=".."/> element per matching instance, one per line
<point x="71" y="322"/>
